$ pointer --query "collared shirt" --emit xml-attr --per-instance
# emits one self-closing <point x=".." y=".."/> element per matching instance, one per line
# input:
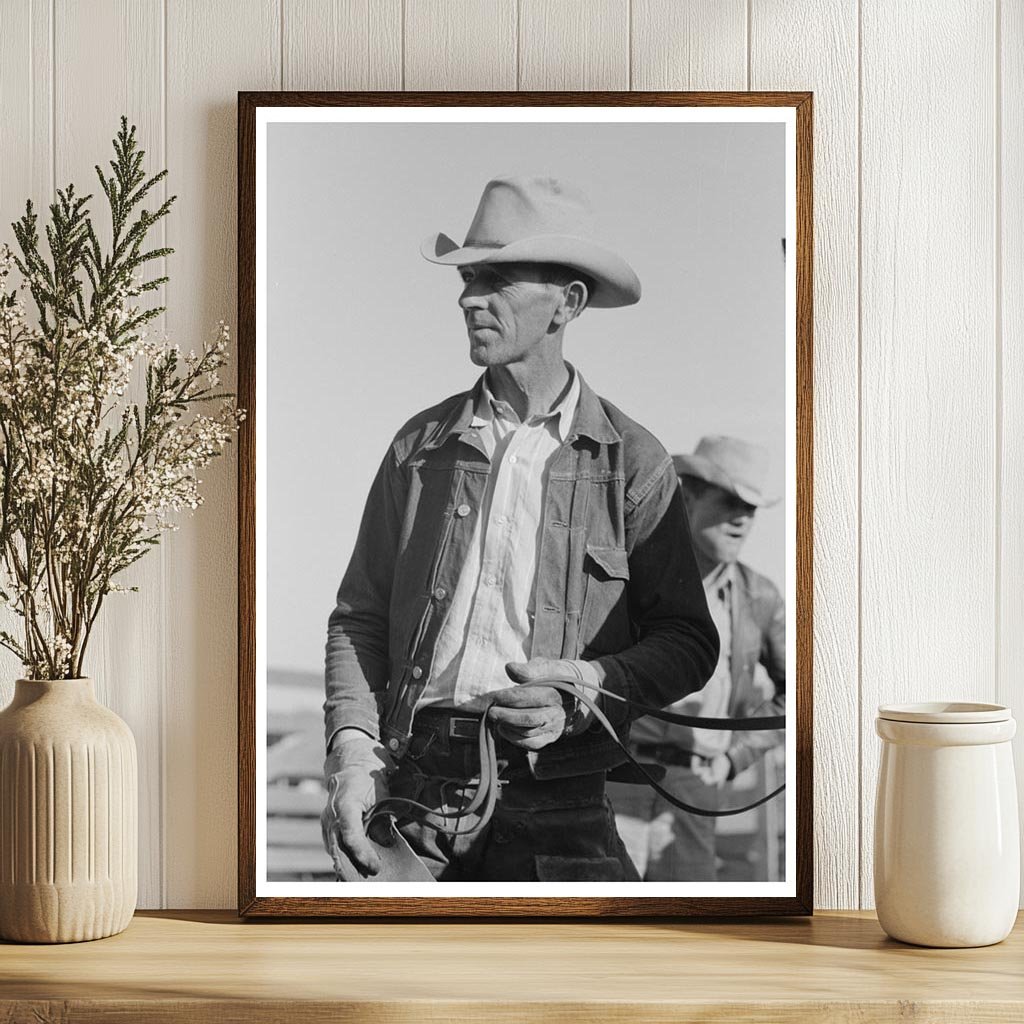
<point x="613" y="516"/>
<point x="714" y="697"/>
<point x="712" y="700"/>
<point x="490" y="621"/>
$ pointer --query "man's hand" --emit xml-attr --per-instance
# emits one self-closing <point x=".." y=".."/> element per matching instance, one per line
<point x="356" y="772"/>
<point x="532" y="715"/>
<point x="711" y="772"/>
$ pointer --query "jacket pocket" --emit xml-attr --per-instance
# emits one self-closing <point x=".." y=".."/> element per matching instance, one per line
<point x="609" y="563"/>
<point x="578" y="869"/>
<point x="604" y="620"/>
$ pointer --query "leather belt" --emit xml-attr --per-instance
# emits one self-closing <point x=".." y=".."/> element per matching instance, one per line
<point x="666" y="753"/>
<point x="460" y="728"/>
<point x="454" y="724"/>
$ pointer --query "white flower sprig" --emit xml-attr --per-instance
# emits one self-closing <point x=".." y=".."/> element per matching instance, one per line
<point x="88" y="479"/>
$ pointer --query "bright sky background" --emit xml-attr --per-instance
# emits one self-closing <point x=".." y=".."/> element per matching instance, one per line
<point x="363" y="332"/>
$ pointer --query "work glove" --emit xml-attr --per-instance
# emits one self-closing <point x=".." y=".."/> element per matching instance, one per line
<point x="532" y="715"/>
<point x="356" y="774"/>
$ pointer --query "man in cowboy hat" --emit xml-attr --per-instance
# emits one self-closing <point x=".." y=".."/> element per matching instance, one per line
<point x="722" y="485"/>
<point x="522" y="531"/>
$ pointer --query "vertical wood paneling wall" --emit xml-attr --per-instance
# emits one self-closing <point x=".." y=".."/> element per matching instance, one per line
<point x="919" y="317"/>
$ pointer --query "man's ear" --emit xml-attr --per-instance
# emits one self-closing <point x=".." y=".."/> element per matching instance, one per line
<point x="574" y="300"/>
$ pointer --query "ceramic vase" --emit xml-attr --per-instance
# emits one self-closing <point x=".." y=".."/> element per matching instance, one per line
<point x="947" y="846"/>
<point x="68" y="815"/>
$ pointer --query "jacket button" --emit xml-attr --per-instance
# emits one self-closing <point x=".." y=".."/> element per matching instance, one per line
<point x="393" y="744"/>
<point x="440" y="593"/>
<point x="417" y="672"/>
<point x="463" y="510"/>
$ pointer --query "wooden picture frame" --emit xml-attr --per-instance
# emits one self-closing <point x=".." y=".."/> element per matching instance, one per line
<point x="257" y="897"/>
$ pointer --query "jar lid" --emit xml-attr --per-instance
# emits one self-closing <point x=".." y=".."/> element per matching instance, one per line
<point x="945" y="712"/>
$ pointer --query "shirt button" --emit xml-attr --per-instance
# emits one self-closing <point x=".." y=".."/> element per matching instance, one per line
<point x="440" y="593"/>
<point x="492" y="580"/>
<point x="513" y="458"/>
<point x="502" y="520"/>
<point x="463" y="510"/>
<point x="393" y="744"/>
<point x="417" y="672"/>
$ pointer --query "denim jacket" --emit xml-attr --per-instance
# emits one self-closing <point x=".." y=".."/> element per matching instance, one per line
<point x="759" y="638"/>
<point x="617" y="582"/>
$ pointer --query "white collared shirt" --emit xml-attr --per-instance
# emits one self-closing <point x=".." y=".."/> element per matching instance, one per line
<point x="490" y="621"/>
<point x="717" y="691"/>
<point x="712" y="700"/>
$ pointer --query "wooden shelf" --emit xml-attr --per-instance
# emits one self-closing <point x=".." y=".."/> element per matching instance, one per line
<point x="208" y="966"/>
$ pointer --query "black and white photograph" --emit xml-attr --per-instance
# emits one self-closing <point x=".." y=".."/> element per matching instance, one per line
<point x="525" y="516"/>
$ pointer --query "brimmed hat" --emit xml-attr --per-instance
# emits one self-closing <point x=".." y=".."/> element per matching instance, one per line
<point x="736" y="466"/>
<point x="538" y="220"/>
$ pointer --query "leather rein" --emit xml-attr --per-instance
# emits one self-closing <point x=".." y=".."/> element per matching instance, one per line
<point x="486" y="794"/>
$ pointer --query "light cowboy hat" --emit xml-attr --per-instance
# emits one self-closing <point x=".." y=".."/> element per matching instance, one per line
<point x="538" y="220"/>
<point x="736" y="466"/>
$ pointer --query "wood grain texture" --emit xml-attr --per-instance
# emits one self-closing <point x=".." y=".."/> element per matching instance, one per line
<point x="208" y="967"/>
<point x="127" y="666"/>
<point x="577" y="1011"/>
<point x="26" y="130"/>
<point x="574" y="44"/>
<point x="689" y="44"/>
<point x="246" y="505"/>
<point x="226" y="46"/>
<point x="342" y="44"/>
<point x="1010" y="313"/>
<point x="928" y="515"/>
<point x="466" y="45"/>
<point x="504" y="98"/>
<point x="803" y="254"/>
<point x="826" y="62"/>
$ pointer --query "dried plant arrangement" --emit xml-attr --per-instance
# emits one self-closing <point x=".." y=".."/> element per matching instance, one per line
<point x="89" y="478"/>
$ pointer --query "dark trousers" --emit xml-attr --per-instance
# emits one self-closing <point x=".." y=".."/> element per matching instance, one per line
<point x="558" y="830"/>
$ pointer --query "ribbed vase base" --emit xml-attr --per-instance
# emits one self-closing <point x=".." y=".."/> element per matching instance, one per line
<point x="68" y="815"/>
<point x="63" y="913"/>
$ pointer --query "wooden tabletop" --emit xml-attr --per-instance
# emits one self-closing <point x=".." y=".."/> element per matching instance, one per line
<point x="208" y="966"/>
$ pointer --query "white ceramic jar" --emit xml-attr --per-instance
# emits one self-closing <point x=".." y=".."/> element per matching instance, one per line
<point x="947" y="846"/>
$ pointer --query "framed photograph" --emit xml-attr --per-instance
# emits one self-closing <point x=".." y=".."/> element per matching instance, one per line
<point x="525" y="504"/>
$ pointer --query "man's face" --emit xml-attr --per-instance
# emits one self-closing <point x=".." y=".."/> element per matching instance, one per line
<point x="508" y="310"/>
<point x="719" y="522"/>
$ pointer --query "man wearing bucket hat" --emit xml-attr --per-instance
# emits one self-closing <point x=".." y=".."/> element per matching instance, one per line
<point x="722" y="484"/>
<point x="523" y="531"/>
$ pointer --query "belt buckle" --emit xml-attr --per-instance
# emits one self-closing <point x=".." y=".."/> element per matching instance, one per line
<point x="463" y="728"/>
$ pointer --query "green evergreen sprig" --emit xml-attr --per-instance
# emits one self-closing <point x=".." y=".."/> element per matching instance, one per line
<point x="89" y="479"/>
